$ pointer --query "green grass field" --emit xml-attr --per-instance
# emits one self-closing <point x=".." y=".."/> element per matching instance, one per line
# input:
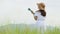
<point x="24" y="29"/>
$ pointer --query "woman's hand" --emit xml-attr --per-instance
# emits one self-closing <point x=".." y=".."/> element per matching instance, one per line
<point x="35" y="17"/>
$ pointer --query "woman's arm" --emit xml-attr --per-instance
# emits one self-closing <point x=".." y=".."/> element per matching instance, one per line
<point x="31" y="11"/>
<point x="35" y="17"/>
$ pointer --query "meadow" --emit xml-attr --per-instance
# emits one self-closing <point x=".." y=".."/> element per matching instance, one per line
<point x="26" y="29"/>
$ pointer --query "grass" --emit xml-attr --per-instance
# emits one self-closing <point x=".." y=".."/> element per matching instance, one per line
<point x="24" y="29"/>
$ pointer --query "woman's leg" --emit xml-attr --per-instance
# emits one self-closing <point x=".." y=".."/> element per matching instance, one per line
<point x="42" y="28"/>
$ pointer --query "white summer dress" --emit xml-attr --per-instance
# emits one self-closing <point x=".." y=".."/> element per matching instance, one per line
<point x="40" y="20"/>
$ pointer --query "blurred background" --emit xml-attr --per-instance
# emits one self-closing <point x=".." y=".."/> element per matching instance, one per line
<point x="16" y="11"/>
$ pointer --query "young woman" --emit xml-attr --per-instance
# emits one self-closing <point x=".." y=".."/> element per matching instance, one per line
<point x="39" y="16"/>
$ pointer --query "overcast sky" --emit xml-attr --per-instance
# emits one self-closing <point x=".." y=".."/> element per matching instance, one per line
<point x="15" y="11"/>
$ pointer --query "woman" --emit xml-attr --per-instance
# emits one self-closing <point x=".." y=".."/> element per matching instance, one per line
<point x="39" y="16"/>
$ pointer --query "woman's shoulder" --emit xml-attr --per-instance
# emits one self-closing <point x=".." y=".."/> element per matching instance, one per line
<point x="37" y="11"/>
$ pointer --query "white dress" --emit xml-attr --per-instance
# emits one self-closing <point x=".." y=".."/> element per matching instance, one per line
<point x="40" y="20"/>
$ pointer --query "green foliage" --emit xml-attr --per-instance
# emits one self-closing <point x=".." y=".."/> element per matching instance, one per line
<point x="26" y="30"/>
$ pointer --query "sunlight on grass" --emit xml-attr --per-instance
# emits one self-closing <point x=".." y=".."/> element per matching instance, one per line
<point x="23" y="29"/>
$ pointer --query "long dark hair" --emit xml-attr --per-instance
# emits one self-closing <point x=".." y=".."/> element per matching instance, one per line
<point x="43" y="13"/>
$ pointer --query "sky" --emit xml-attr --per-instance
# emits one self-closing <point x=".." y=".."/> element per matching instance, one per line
<point x="16" y="11"/>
